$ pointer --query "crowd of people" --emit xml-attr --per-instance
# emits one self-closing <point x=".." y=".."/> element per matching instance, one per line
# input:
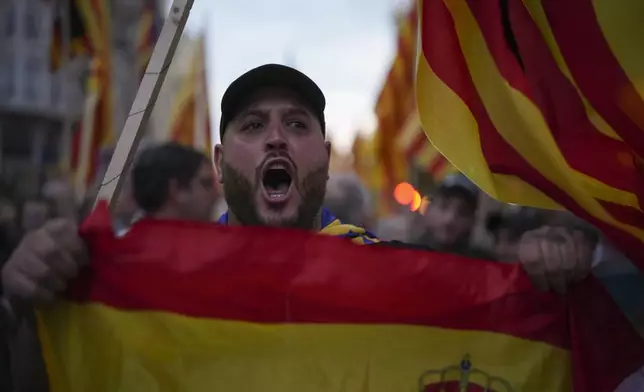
<point x="271" y="169"/>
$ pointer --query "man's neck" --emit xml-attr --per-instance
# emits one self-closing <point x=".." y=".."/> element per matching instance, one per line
<point x="317" y="222"/>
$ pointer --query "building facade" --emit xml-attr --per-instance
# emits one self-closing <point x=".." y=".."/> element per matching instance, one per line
<point x="38" y="105"/>
<point x="31" y="104"/>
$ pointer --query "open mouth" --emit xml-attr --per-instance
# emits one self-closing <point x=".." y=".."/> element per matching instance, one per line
<point x="277" y="183"/>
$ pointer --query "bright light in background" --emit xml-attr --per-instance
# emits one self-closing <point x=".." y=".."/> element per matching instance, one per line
<point x="415" y="202"/>
<point x="405" y="194"/>
<point x="345" y="46"/>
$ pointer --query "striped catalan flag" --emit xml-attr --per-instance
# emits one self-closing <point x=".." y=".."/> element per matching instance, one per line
<point x="395" y="103"/>
<point x="409" y="137"/>
<point x="540" y="103"/>
<point x="419" y="150"/>
<point x="84" y="160"/>
<point x="67" y="18"/>
<point x="96" y="133"/>
<point x="190" y="121"/>
<point x="187" y="306"/>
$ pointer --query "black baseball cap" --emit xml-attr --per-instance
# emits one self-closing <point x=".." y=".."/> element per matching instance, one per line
<point x="270" y="75"/>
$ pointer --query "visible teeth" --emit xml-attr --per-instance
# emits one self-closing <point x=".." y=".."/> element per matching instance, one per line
<point x="276" y="195"/>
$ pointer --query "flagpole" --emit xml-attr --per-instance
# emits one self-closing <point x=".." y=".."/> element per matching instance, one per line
<point x="145" y="100"/>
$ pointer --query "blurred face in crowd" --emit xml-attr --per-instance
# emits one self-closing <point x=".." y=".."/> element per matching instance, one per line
<point x="196" y="200"/>
<point x="449" y="220"/>
<point x="274" y="162"/>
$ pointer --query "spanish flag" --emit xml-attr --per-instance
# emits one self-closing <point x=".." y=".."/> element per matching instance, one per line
<point x="540" y="103"/>
<point x="187" y="306"/>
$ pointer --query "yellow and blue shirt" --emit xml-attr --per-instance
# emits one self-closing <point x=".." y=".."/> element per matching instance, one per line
<point x="334" y="227"/>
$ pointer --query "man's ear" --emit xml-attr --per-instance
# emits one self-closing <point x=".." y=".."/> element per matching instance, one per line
<point x="219" y="162"/>
<point x="327" y="145"/>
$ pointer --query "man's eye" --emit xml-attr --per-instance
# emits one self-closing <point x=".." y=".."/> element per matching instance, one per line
<point x="252" y="125"/>
<point x="296" y="124"/>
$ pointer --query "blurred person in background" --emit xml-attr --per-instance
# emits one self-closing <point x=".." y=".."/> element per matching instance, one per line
<point x="348" y="199"/>
<point x="564" y="239"/>
<point x="449" y="220"/>
<point x="171" y="181"/>
<point x="395" y="228"/>
<point x="622" y="279"/>
<point x="167" y="181"/>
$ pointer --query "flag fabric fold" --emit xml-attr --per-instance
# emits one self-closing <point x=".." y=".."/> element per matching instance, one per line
<point x="539" y="102"/>
<point x="184" y="306"/>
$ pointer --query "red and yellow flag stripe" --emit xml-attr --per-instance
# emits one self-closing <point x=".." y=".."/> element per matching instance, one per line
<point x="395" y="103"/>
<point x="419" y="151"/>
<point x="318" y="314"/>
<point x="67" y="21"/>
<point x="98" y="23"/>
<point x="85" y="154"/>
<point x="96" y="131"/>
<point x="502" y="93"/>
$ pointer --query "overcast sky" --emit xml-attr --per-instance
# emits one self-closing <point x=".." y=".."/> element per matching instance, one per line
<point x="346" y="46"/>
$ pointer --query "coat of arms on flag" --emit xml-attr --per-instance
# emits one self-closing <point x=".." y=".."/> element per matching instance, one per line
<point x="462" y="377"/>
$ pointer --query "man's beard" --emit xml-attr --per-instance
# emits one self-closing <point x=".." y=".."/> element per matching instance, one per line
<point x="240" y="196"/>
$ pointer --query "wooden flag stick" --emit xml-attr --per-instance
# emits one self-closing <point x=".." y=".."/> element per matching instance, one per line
<point x="146" y="98"/>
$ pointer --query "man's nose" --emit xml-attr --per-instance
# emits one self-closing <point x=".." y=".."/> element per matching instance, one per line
<point x="275" y="139"/>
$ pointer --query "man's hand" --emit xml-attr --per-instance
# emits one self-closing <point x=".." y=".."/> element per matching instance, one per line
<point x="44" y="262"/>
<point x="553" y="257"/>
